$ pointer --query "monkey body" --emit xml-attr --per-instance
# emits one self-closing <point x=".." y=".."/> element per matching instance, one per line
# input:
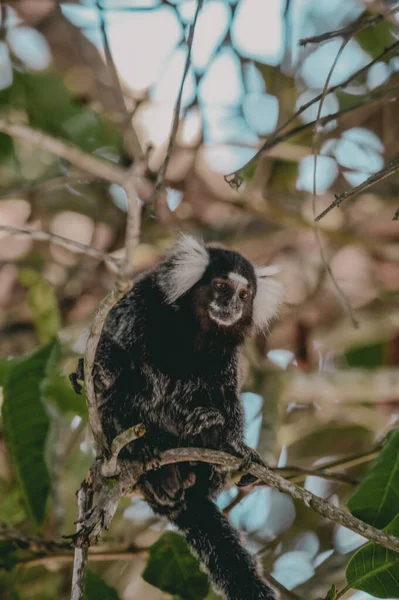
<point x="169" y="357"/>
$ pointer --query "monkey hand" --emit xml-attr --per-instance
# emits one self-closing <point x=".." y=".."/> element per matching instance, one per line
<point x="201" y="418"/>
<point x="249" y="456"/>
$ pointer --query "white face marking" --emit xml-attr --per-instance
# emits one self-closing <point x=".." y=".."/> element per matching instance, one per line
<point x="236" y="278"/>
<point x="225" y="322"/>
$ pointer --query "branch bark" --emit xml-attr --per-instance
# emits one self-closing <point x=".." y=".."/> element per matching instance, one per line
<point x="97" y="167"/>
<point x="391" y="168"/>
<point x="350" y="30"/>
<point x="234" y="179"/>
<point x="130" y="472"/>
<point x="59" y="240"/>
<point x="162" y="171"/>
<point x="85" y="499"/>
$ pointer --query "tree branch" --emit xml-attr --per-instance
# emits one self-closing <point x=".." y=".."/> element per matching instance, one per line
<point x="130" y="133"/>
<point x="85" y="499"/>
<point x="315" y="138"/>
<point x="391" y="168"/>
<point x="130" y="471"/>
<point x="97" y="167"/>
<point x="349" y="30"/>
<point x="234" y="179"/>
<point x="59" y="240"/>
<point x="122" y="284"/>
<point x="162" y="171"/>
<point x="110" y="465"/>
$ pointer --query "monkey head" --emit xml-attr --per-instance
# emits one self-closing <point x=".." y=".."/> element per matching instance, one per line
<point x="225" y="289"/>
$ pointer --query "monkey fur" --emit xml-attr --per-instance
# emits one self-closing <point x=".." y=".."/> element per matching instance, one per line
<point x="169" y="357"/>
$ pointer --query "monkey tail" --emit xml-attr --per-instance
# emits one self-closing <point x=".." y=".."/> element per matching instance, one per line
<point x="232" y="569"/>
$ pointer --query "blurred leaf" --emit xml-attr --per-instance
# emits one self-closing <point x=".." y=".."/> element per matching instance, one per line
<point x="248" y="173"/>
<point x="332" y="593"/>
<point x="57" y="113"/>
<point x="43" y="303"/>
<point x="97" y="589"/>
<point x="369" y="356"/>
<point x="375" y="39"/>
<point x="376" y="499"/>
<point x="284" y="175"/>
<point x="375" y="569"/>
<point x="5" y="366"/>
<point x="213" y="596"/>
<point x="6" y="146"/>
<point x="59" y="391"/>
<point x="11" y="504"/>
<point x="26" y="426"/>
<point x="8" y="558"/>
<point x="173" y="569"/>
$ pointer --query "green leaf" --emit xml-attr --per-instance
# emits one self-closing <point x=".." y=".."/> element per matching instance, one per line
<point x="26" y="426"/>
<point x="43" y="303"/>
<point x="97" y="589"/>
<point x="375" y="39"/>
<point x="173" y="569"/>
<point x="375" y="569"/>
<point x="376" y="499"/>
<point x="6" y="146"/>
<point x="368" y="357"/>
<point x="332" y="593"/>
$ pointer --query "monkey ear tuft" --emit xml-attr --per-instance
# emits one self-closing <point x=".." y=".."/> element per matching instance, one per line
<point x="269" y="296"/>
<point x="184" y="266"/>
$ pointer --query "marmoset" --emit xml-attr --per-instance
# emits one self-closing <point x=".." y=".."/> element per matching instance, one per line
<point x="169" y="357"/>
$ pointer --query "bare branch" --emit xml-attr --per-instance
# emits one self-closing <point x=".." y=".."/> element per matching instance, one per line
<point x="339" y="292"/>
<point x="391" y="168"/>
<point x="85" y="499"/>
<point x="350" y="30"/>
<point x="331" y="90"/>
<point x="292" y="473"/>
<point x="121" y="286"/>
<point x="131" y="471"/>
<point x="130" y="133"/>
<point x="162" y="171"/>
<point x="110" y="465"/>
<point x="59" y="240"/>
<point x="97" y="167"/>
<point x="234" y="179"/>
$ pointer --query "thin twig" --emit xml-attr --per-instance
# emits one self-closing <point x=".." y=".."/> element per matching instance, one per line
<point x="234" y="179"/>
<point x="110" y="465"/>
<point x="162" y="171"/>
<point x="293" y="473"/>
<point x="340" y="293"/>
<point x="97" y="167"/>
<point x="391" y="168"/>
<point x="350" y="30"/>
<point x="130" y="133"/>
<point x="85" y="498"/>
<point x="59" y="240"/>
<point x="330" y="90"/>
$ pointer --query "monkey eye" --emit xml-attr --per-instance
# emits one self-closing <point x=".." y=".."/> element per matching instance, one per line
<point x="220" y="285"/>
<point x="243" y="294"/>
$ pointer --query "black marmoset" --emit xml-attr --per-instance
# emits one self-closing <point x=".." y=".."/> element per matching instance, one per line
<point x="169" y="357"/>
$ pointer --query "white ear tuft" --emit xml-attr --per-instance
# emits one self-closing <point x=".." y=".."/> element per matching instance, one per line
<point x="186" y="264"/>
<point x="269" y="296"/>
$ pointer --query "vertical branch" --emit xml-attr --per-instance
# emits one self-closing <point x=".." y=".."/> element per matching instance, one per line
<point x="85" y="500"/>
<point x="123" y="281"/>
<point x="130" y="133"/>
<point x="341" y="296"/>
<point x="162" y="171"/>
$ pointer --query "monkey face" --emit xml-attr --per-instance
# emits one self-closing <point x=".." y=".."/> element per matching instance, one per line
<point x="231" y="299"/>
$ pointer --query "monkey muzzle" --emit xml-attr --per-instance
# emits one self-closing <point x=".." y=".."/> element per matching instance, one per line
<point x="225" y="312"/>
